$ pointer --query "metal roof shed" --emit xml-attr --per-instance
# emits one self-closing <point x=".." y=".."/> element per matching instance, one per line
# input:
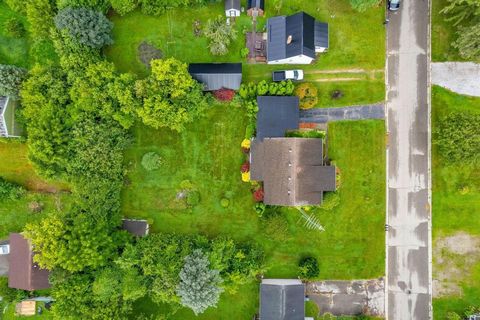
<point x="282" y="299"/>
<point x="216" y="76"/>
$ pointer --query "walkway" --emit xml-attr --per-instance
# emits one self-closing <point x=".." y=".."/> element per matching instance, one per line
<point x="459" y="77"/>
<point x="408" y="164"/>
<point x="349" y="297"/>
<point x="324" y="115"/>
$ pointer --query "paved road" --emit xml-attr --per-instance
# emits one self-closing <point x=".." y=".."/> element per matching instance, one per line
<point x="324" y="115"/>
<point x="460" y="77"/>
<point x="408" y="169"/>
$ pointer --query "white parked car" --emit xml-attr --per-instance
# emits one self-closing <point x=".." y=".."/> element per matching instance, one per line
<point x="4" y="249"/>
<point x="296" y="75"/>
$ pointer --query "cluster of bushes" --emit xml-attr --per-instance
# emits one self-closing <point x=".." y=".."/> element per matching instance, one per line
<point x="251" y="90"/>
<point x="10" y="191"/>
<point x="307" y="94"/>
<point x="11" y="77"/>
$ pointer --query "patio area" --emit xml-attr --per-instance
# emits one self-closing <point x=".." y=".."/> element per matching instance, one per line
<point x="257" y="45"/>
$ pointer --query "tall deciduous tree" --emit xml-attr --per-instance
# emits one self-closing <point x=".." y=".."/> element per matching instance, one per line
<point x="468" y="41"/>
<point x="199" y="286"/>
<point x="123" y="7"/>
<point x="86" y="26"/>
<point x="11" y="77"/>
<point x="169" y="97"/>
<point x="220" y="35"/>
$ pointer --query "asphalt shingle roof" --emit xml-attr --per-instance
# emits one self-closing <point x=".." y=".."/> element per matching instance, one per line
<point x="215" y="76"/>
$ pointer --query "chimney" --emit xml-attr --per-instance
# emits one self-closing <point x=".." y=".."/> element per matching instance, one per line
<point x="289" y="39"/>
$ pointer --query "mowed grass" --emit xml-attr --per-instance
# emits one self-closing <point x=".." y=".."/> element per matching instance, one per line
<point x="356" y="40"/>
<point x="453" y="211"/>
<point x="208" y="154"/>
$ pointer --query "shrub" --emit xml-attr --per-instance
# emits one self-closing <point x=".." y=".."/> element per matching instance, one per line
<point x="11" y="77"/>
<point x="8" y="294"/>
<point x="262" y="88"/>
<point x="10" y="190"/>
<point x="458" y="137"/>
<point x="249" y="130"/>
<point x="14" y="28"/>
<point x="224" y="94"/>
<point x="252" y="109"/>
<point x="123" y="7"/>
<point x="308" y="268"/>
<point x="246" y="176"/>
<point x="87" y="27"/>
<point x="246" y="143"/>
<point x="225" y="202"/>
<point x="151" y="161"/>
<point x="331" y="201"/>
<point x="259" y="208"/>
<point x="244" y="52"/>
<point x="193" y="198"/>
<point x="307" y="93"/>
<point x="245" y="167"/>
<point x="258" y="195"/>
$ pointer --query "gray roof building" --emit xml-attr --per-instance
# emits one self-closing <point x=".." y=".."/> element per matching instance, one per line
<point x="282" y="299"/>
<point x="215" y="76"/>
<point x="8" y="126"/>
<point x="232" y="4"/>
<point x="276" y="115"/>
<point x="292" y="170"/>
<point x="298" y="35"/>
<point x="23" y="272"/>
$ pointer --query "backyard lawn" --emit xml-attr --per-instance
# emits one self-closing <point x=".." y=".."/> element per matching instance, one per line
<point x="208" y="156"/>
<point x="454" y="211"/>
<point x="12" y="51"/>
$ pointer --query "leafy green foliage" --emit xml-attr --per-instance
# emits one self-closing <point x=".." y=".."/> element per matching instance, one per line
<point x="151" y="161"/>
<point x="8" y="294"/>
<point x="363" y="5"/>
<point x="99" y="5"/>
<point x="123" y="7"/>
<point x="169" y="97"/>
<point x="308" y="95"/>
<point x="87" y="27"/>
<point x="11" y="78"/>
<point x="468" y="42"/>
<point x="220" y="35"/>
<point x="193" y="198"/>
<point x="16" y="5"/>
<point x="458" y="137"/>
<point x="14" y="28"/>
<point x="308" y="268"/>
<point x="10" y="190"/>
<point x="40" y="14"/>
<point x="199" y="286"/>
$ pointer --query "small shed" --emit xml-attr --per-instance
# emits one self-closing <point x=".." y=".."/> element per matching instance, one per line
<point x="215" y="76"/>
<point x="139" y="228"/>
<point x="26" y="308"/>
<point x="256" y="8"/>
<point x="23" y="273"/>
<point x="232" y="8"/>
<point x="8" y="126"/>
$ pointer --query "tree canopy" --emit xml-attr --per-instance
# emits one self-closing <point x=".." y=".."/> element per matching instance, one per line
<point x="11" y="77"/>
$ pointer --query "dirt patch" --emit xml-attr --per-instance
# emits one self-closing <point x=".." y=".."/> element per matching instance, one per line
<point x="454" y="258"/>
<point x="147" y="52"/>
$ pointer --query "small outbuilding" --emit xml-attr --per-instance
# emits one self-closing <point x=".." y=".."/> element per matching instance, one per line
<point x="215" y="76"/>
<point x="23" y="273"/>
<point x="138" y="228"/>
<point x="256" y="8"/>
<point x="8" y="126"/>
<point x="282" y="299"/>
<point x="232" y="8"/>
<point x="26" y="308"/>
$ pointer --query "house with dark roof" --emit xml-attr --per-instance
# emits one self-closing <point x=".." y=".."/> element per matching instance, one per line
<point x="8" y="126"/>
<point x="232" y="8"/>
<point x="215" y="76"/>
<point x="282" y="299"/>
<point x="256" y="8"/>
<point x="23" y="273"/>
<point x="138" y="228"/>
<point x="295" y="39"/>
<point x="293" y="170"/>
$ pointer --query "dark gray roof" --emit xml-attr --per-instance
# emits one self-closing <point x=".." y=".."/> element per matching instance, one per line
<point x="256" y="4"/>
<point x="292" y="170"/>
<point x="300" y="26"/>
<point x="321" y="34"/>
<point x="215" y="76"/>
<point x="276" y="115"/>
<point x="23" y="273"/>
<point x="282" y="302"/>
<point x="137" y="228"/>
<point x="232" y="4"/>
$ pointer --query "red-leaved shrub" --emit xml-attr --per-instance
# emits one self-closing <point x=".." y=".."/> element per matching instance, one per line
<point x="258" y="195"/>
<point x="245" y="167"/>
<point x="224" y="94"/>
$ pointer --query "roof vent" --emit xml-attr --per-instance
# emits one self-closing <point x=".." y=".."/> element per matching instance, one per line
<point x="289" y="39"/>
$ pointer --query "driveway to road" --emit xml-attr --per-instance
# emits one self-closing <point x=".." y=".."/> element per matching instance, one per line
<point x="459" y="77"/>
<point x="408" y="272"/>
<point x="324" y="115"/>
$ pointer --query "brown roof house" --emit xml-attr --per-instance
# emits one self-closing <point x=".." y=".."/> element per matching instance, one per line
<point x="293" y="170"/>
<point x="23" y="272"/>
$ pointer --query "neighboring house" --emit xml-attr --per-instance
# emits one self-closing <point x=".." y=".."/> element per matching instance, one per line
<point x="282" y="299"/>
<point x="215" y="76"/>
<point x="293" y="170"/>
<point x="232" y="8"/>
<point x="256" y="7"/>
<point x="139" y="228"/>
<point x="295" y="39"/>
<point x="23" y="273"/>
<point x="8" y="126"/>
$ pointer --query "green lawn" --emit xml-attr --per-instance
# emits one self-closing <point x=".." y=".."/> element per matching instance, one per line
<point x="208" y="155"/>
<point x="356" y="40"/>
<point x="12" y="51"/>
<point x="453" y="211"/>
